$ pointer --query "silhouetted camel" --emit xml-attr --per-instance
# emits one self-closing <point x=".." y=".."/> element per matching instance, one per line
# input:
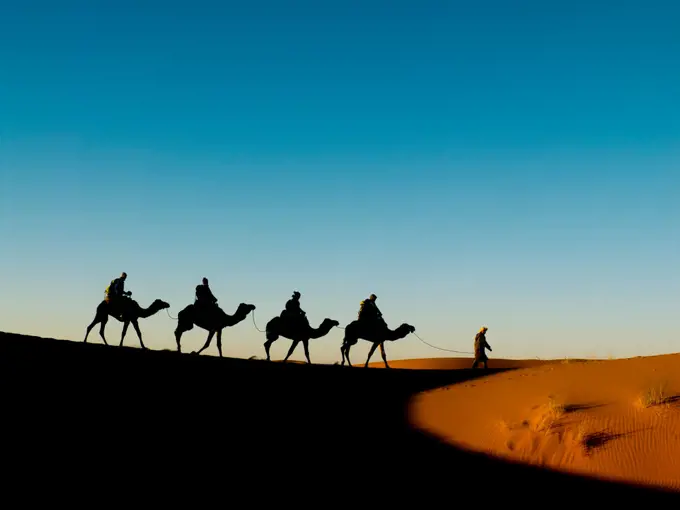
<point x="301" y="332"/>
<point x="377" y="335"/>
<point x="126" y="311"/>
<point x="214" y="321"/>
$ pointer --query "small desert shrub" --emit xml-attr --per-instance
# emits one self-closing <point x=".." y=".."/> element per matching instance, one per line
<point x="581" y="432"/>
<point x="654" y="396"/>
<point x="553" y="411"/>
<point x="555" y="408"/>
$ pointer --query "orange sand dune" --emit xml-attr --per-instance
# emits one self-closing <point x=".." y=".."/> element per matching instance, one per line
<point x="455" y="363"/>
<point x="616" y="419"/>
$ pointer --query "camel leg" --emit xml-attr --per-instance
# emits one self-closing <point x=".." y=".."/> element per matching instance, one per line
<point x="292" y="348"/>
<point x="184" y="324"/>
<point x="135" y="325"/>
<point x="102" y="325"/>
<point x="345" y="350"/>
<point x="126" y="324"/>
<point x="347" y="343"/>
<point x="305" y="344"/>
<point x="383" y="354"/>
<point x="207" y="342"/>
<point x="179" y="331"/>
<point x="374" y="346"/>
<point x="219" y="341"/>
<point x="178" y="338"/>
<point x="349" y="348"/>
<point x="271" y="338"/>
<point x="92" y="325"/>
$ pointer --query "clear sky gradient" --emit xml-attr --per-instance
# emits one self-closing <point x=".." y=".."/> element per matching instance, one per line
<point x="514" y="164"/>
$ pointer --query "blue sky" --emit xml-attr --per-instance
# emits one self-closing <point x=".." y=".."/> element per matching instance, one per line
<point x="509" y="164"/>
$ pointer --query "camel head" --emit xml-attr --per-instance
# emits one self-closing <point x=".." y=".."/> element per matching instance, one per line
<point x="159" y="304"/>
<point x="244" y="309"/>
<point x="407" y="328"/>
<point x="329" y="323"/>
<point x="323" y="329"/>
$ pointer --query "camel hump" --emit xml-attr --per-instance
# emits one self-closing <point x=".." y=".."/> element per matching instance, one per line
<point x="274" y="322"/>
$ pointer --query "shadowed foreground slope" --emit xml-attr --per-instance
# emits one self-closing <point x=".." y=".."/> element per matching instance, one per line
<point x="225" y="426"/>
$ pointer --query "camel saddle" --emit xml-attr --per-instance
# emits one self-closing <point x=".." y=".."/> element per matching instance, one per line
<point x="118" y="305"/>
<point x="207" y="310"/>
<point x="294" y="319"/>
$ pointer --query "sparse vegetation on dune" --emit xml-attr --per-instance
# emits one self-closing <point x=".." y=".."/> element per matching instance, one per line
<point x="658" y="395"/>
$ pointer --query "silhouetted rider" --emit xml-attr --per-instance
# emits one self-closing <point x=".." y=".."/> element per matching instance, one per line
<point x="116" y="289"/>
<point x="369" y="313"/>
<point x="204" y="296"/>
<point x="293" y="312"/>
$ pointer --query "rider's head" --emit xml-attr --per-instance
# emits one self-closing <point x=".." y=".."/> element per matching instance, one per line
<point x="205" y="281"/>
<point x="372" y="297"/>
<point x="483" y="329"/>
<point x="296" y="295"/>
<point x="123" y="275"/>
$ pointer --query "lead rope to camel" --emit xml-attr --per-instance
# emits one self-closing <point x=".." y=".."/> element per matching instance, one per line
<point x="440" y="348"/>
<point x="255" y="323"/>
<point x="173" y="318"/>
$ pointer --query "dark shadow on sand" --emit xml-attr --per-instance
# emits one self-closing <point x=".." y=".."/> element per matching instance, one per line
<point x="572" y="408"/>
<point x="596" y="440"/>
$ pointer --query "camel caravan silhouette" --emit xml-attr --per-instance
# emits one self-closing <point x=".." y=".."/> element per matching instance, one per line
<point x="292" y="323"/>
